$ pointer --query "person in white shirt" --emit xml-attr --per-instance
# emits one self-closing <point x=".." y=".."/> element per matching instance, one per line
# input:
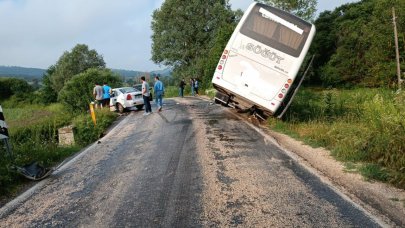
<point x="145" y="95"/>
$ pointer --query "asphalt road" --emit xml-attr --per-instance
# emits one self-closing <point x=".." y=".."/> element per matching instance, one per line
<point x="195" y="164"/>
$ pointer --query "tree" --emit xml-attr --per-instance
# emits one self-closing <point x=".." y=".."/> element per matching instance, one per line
<point x="218" y="43"/>
<point x="71" y="63"/>
<point x="78" y="92"/>
<point x="47" y="94"/>
<point x="304" y="9"/>
<point x="14" y="86"/>
<point x="355" y="44"/>
<point x="184" y="31"/>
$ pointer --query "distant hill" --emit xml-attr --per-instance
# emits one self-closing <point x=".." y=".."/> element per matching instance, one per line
<point x="36" y="73"/>
<point x="164" y="73"/>
<point x="128" y="73"/>
<point x="21" y="72"/>
<point x="132" y="73"/>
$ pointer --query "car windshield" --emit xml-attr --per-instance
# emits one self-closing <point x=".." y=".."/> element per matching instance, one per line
<point x="128" y="90"/>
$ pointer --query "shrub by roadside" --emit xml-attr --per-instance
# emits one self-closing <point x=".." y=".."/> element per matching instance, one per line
<point x="86" y="132"/>
<point x="171" y="91"/>
<point x="364" y="126"/>
<point x="77" y="93"/>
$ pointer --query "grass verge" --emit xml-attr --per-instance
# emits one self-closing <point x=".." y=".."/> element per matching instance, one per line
<point x="33" y="133"/>
<point x="361" y="126"/>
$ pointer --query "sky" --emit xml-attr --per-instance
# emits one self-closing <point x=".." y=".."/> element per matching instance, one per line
<point x="35" y="33"/>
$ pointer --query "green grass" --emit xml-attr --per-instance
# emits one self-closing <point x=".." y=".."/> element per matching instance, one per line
<point x="33" y="133"/>
<point x="171" y="91"/>
<point x="360" y="126"/>
<point x="373" y="172"/>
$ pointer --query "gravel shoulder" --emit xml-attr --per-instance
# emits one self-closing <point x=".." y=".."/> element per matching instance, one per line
<point x="381" y="200"/>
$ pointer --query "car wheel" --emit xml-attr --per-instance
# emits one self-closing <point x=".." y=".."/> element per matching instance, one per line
<point x="139" y="107"/>
<point x="120" y="108"/>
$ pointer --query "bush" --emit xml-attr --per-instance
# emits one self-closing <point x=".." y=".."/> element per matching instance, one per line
<point x="14" y="86"/>
<point x="84" y="129"/>
<point x="359" y="125"/>
<point x="172" y="91"/>
<point x="77" y="93"/>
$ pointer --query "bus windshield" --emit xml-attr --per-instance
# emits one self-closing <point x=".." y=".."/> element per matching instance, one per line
<point x="277" y="29"/>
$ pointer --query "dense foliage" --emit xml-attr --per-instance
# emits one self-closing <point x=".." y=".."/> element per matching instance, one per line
<point x="354" y="45"/>
<point x="47" y="94"/>
<point x="187" y="35"/>
<point x="303" y="9"/>
<point x="78" y="60"/>
<point x="86" y="132"/>
<point x="77" y="93"/>
<point x="14" y="86"/>
<point x="72" y="63"/>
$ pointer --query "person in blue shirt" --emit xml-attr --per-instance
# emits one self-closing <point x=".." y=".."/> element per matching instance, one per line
<point x="106" y="95"/>
<point x="159" y="92"/>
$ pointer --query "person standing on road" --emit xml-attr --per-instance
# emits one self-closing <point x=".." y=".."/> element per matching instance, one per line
<point x="98" y="95"/>
<point x="145" y="96"/>
<point x="196" y="84"/>
<point x="159" y="91"/>
<point x="192" y="86"/>
<point x="106" y="95"/>
<point x="181" y="88"/>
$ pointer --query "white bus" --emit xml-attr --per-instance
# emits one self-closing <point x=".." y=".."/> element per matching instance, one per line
<point x="259" y="65"/>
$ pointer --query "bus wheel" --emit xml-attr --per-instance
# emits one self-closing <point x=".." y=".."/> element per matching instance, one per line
<point x="221" y="98"/>
<point x="258" y="113"/>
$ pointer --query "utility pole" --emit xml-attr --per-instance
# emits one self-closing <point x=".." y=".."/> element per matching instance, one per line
<point x="396" y="49"/>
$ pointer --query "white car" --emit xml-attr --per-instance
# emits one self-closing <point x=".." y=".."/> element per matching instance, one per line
<point x="126" y="98"/>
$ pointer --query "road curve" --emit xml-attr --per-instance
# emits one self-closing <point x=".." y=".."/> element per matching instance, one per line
<point x="192" y="165"/>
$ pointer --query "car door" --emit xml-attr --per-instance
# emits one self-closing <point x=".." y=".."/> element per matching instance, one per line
<point x="113" y="100"/>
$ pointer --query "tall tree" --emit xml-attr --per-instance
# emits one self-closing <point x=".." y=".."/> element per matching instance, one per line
<point x="71" y="63"/>
<point x="47" y="93"/>
<point x="183" y="33"/>
<point x="304" y="9"/>
<point x="355" y="44"/>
